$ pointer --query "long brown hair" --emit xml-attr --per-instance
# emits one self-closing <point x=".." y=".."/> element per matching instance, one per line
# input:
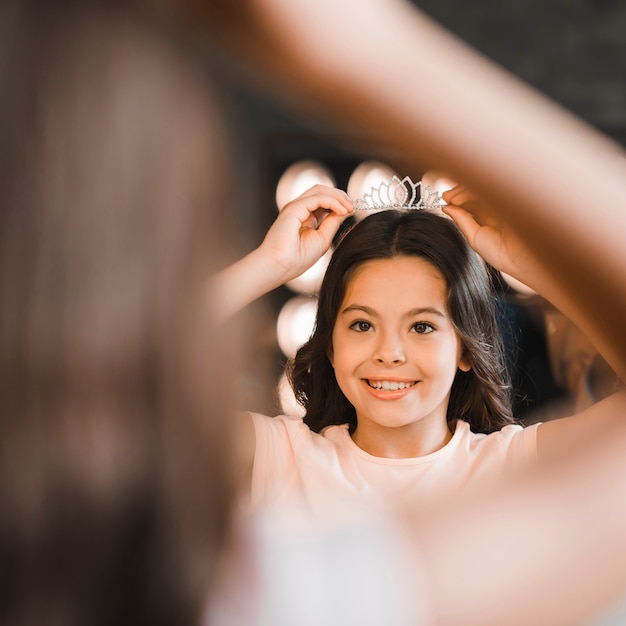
<point x="115" y="482"/>
<point x="480" y="396"/>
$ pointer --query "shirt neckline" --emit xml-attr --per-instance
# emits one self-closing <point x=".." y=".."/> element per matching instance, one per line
<point x="461" y="429"/>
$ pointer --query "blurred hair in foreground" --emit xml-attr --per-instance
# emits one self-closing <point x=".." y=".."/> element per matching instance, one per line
<point x="115" y="482"/>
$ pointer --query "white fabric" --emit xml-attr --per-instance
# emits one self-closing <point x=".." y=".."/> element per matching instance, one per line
<point x="291" y="570"/>
<point x="326" y="473"/>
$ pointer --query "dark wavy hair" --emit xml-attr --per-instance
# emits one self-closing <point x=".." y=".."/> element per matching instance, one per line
<point x="481" y="396"/>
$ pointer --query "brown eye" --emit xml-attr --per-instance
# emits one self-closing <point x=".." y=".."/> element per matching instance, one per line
<point x="361" y="326"/>
<point x="422" y="328"/>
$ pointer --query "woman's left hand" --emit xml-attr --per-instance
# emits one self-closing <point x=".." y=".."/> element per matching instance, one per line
<point x="488" y="235"/>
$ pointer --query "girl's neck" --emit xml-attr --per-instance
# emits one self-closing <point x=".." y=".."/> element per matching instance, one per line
<point x="405" y="442"/>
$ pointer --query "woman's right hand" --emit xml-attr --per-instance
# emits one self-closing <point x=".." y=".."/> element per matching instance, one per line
<point x="489" y="236"/>
<point x="304" y="230"/>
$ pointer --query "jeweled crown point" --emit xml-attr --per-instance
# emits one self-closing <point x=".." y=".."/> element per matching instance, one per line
<point x="399" y="194"/>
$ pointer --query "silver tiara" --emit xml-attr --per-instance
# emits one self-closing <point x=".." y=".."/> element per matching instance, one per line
<point x="399" y="194"/>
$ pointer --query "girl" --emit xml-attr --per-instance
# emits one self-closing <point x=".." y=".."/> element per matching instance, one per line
<point x="403" y="378"/>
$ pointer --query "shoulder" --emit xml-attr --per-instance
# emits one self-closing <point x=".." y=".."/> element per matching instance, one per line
<point x="286" y="424"/>
<point x="293" y="466"/>
<point x="513" y="443"/>
<point x="292" y="431"/>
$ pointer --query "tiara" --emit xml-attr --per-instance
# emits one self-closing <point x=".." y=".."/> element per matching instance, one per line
<point x="399" y="194"/>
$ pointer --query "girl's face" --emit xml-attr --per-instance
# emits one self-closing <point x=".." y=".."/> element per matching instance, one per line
<point x="395" y="354"/>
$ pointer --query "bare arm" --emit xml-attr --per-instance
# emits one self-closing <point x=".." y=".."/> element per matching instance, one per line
<point x="461" y="114"/>
<point x="546" y="176"/>
<point x="301" y="234"/>
<point x="500" y="246"/>
<point x="545" y="549"/>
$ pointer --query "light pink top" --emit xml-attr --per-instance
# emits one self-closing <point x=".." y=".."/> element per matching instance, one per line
<point x="297" y="468"/>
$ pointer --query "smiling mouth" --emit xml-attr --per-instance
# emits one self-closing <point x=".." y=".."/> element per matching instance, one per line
<point x="390" y="385"/>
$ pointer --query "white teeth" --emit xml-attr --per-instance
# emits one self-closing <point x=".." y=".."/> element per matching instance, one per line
<point x="389" y="385"/>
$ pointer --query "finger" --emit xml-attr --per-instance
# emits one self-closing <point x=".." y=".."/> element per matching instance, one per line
<point x="329" y="227"/>
<point x="304" y="206"/>
<point x="463" y="197"/>
<point x="328" y="194"/>
<point x="334" y="192"/>
<point x="465" y="221"/>
<point x="315" y="218"/>
<point x="332" y="201"/>
<point x="458" y="195"/>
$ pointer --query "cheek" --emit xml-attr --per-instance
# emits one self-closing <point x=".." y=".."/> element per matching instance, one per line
<point x="337" y="351"/>
<point x="338" y="360"/>
<point x="344" y="361"/>
<point x="331" y="351"/>
<point x="444" y="358"/>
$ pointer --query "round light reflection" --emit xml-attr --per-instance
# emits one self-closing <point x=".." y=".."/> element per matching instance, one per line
<point x="288" y="403"/>
<point x="368" y="175"/>
<point x="439" y="182"/>
<point x="295" y="323"/>
<point x="299" y="177"/>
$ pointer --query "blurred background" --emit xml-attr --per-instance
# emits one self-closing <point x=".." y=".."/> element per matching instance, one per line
<point x="574" y="51"/>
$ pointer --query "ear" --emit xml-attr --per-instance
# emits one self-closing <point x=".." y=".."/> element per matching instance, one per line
<point x="464" y="366"/>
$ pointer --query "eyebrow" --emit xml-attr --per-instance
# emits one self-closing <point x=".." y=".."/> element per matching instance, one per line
<point x="411" y="313"/>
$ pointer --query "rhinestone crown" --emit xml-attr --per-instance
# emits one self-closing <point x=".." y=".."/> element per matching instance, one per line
<point x="399" y="194"/>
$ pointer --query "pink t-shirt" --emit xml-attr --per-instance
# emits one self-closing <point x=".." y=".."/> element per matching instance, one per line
<point x="299" y="469"/>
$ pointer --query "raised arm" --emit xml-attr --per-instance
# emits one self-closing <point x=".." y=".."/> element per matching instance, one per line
<point x="556" y="538"/>
<point x="384" y="67"/>
<point x="301" y="234"/>
<point x="500" y="246"/>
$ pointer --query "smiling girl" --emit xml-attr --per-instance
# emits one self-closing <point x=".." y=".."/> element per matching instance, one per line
<point x="403" y="381"/>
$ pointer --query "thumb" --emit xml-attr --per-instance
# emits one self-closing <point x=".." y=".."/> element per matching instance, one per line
<point x="329" y="226"/>
<point x="315" y="219"/>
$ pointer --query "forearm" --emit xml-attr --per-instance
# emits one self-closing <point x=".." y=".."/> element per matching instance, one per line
<point x="559" y="184"/>
<point x="242" y="283"/>
<point x="551" y="542"/>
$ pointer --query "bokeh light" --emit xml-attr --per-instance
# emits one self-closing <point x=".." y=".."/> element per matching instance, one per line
<point x="439" y="182"/>
<point x="368" y="175"/>
<point x="295" y="323"/>
<point x="287" y="399"/>
<point x="299" y="177"/>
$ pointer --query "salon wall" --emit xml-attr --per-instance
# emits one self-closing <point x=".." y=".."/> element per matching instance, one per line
<point x="572" y="50"/>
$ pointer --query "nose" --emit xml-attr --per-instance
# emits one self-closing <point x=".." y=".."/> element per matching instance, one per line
<point x="389" y="350"/>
